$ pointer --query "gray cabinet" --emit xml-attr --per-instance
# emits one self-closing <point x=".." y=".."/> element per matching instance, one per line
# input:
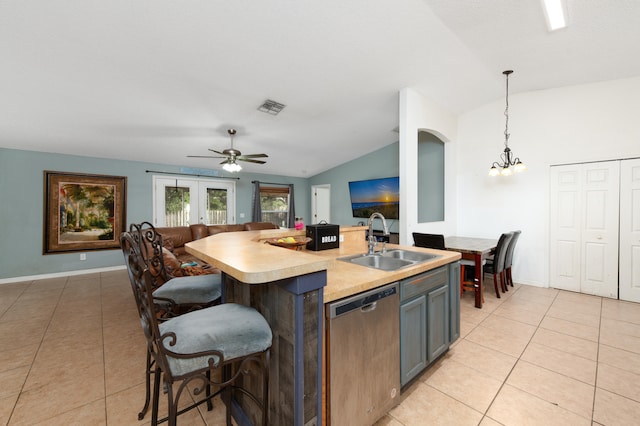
<point x="437" y="322"/>
<point x="454" y="301"/>
<point x="413" y="338"/>
<point x="429" y="318"/>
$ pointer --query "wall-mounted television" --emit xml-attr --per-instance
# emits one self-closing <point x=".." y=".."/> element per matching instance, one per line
<point x="376" y="195"/>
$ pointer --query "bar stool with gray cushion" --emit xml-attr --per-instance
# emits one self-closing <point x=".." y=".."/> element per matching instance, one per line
<point x="172" y="296"/>
<point x="177" y="294"/>
<point x="210" y="347"/>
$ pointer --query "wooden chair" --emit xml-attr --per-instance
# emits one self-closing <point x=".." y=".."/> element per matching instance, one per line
<point x="468" y="280"/>
<point x="508" y="260"/>
<point x="495" y="266"/>
<point x="192" y="349"/>
<point x="434" y="241"/>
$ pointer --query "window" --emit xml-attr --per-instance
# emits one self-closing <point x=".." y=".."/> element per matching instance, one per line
<point x="177" y="205"/>
<point x="274" y="202"/>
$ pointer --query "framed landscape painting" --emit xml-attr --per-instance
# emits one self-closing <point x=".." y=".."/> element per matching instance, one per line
<point x="83" y="212"/>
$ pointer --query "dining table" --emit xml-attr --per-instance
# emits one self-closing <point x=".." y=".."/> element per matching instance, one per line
<point x="477" y="250"/>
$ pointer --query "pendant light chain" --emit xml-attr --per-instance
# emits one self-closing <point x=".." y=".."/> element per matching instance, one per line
<point x="506" y="114"/>
<point x="507" y="162"/>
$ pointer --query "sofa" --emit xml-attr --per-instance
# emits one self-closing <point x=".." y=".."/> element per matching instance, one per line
<point x="178" y="262"/>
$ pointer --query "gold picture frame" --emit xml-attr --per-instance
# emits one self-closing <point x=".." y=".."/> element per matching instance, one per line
<point x="83" y="211"/>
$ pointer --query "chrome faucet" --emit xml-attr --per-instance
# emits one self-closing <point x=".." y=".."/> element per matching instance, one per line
<point x="372" y="240"/>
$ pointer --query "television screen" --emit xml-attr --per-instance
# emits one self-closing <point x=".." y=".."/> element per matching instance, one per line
<point x="376" y="195"/>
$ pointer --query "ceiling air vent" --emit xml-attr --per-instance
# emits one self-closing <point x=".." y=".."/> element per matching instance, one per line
<point x="271" y="107"/>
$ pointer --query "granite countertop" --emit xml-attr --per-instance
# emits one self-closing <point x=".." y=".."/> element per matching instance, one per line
<point x="246" y="257"/>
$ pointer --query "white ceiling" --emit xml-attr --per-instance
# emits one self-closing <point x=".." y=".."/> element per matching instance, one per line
<point x="157" y="80"/>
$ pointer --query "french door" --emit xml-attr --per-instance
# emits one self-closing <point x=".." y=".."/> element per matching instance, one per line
<point x="184" y="201"/>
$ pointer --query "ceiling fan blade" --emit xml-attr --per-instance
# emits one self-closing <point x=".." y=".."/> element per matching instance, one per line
<point x="232" y="155"/>
<point x="249" y="160"/>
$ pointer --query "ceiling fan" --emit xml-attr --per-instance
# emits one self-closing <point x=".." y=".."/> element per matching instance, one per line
<point x="232" y="156"/>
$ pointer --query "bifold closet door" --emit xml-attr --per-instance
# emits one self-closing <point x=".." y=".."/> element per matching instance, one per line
<point x="630" y="230"/>
<point x="584" y="218"/>
<point x="565" y="227"/>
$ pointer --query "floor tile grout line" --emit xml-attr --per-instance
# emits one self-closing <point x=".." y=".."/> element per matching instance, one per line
<point x="104" y="355"/>
<point x="596" y="361"/>
<point x="485" y="414"/>
<point x="44" y="334"/>
<point x="16" y="299"/>
<point x="595" y="382"/>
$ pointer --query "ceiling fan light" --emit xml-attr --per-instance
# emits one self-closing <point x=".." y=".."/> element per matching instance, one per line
<point x="232" y="167"/>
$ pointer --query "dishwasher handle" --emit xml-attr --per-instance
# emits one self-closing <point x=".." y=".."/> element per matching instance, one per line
<point x="365" y="302"/>
<point x="370" y="307"/>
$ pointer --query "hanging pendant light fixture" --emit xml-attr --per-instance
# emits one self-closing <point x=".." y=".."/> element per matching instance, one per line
<point x="508" y="162"/>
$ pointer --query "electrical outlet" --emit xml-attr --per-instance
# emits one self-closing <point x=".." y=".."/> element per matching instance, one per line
<point x="241" y="215"/>
<point x="83" y="256"/>
<point x="341" y="238"/>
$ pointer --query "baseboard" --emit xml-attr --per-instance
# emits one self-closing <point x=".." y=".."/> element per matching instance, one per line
<point x="60" y="274"/>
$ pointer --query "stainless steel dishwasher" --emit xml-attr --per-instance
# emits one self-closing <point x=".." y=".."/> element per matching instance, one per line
<point x="363" y="365"/>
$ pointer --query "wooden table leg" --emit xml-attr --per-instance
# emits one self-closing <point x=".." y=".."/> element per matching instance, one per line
<point x="479" y="273"/>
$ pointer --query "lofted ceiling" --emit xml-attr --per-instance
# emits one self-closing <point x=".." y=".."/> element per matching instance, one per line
<point x="157" y="80"/>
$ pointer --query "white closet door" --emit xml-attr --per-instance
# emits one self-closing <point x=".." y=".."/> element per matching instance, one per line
<point x="565" y="227"/>
<point x="601" y="192"/>
<point x="630" y="230"/>
<point x="321" y="203"/>
<point x="584" y="216"/>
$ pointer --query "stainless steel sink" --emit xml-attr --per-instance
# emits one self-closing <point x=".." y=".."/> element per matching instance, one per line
<point x="389" y="261"/>
<point x="414" y="256"/>
<point x="379" y="262"/>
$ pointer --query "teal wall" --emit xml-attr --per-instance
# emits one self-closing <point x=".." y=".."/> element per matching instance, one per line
<point x="384" y="162"/>
<point x="21" y="208"/>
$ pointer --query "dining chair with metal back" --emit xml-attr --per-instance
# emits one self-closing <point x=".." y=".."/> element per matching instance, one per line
<point x="177" y="293"/>
<point x="201" y="350"/>
<point x="172" y="295"/>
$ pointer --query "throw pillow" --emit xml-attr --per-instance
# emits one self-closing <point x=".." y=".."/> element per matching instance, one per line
<point x="171" y="263"/>
<point x="168" y="244"/>
<point x="196" y="270"/>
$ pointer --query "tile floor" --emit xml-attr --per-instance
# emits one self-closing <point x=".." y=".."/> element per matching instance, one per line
<point x="70" y="354"/>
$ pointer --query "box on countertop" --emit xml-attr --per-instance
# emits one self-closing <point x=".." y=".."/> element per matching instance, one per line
<point x="323" y="236"/>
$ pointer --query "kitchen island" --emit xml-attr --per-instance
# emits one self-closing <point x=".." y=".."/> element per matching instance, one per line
<point x="290" y="288"/>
